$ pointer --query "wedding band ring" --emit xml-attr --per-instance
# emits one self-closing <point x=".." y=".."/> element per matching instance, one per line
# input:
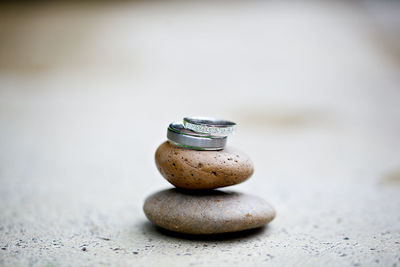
<point x="209" y="126"/>
<point x="187" y="138"/>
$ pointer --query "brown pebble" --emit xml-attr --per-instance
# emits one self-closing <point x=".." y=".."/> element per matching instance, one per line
<point x="194" y="169"/>
<point x="207" y="212"/>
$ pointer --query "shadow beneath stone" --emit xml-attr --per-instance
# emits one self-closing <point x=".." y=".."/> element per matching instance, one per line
<point x="156" y="231"/>
<point x="204" y="192"/>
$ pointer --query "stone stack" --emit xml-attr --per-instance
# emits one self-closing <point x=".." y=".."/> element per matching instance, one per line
<point x="194" y="206"/>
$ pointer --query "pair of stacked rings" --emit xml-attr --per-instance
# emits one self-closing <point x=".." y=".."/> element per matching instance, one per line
<point x="200" y="133"/>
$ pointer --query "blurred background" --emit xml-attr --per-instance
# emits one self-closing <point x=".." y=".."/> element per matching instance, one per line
<point x="87" y="90"/>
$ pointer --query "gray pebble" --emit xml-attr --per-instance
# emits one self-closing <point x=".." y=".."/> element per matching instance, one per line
<point x="207" y="212"/>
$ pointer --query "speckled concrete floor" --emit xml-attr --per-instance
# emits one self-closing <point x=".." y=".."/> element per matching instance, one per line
<point x="87" y="91"/>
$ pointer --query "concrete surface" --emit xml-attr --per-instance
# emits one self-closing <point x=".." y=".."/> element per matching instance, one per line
<point x="87" y="91"/>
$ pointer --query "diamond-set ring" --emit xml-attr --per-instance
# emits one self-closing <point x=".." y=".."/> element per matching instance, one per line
<point x="210" y="126"/>
<point x="200" y="133"/>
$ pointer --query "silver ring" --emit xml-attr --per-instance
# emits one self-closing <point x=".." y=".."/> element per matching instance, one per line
<point x="210" y="126"/>
<point x="186" y="138"/>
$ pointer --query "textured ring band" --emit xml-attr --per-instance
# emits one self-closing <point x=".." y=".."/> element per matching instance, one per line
<point x="183" y="137"/>
<point x="210" y="126"/>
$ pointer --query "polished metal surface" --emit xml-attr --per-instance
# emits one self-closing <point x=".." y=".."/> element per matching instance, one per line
<point x="183" y="137"/>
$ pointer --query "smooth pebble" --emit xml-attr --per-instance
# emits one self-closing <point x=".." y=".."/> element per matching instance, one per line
<point x="207" y="212"/>
<point x="194" y="169"/>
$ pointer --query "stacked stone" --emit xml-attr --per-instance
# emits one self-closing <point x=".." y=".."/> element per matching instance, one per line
<point x="194" y="206"/>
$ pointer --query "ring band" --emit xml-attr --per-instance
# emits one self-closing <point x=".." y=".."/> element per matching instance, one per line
<point x="210" y="126"/>
<point x="184" y="137"/>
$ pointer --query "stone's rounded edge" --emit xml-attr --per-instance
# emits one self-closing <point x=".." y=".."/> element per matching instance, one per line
<point x="204" y="213"/>
<point x="193" y="169"/>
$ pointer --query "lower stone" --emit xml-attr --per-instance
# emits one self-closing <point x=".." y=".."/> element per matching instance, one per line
<point x="207" y="212"/>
